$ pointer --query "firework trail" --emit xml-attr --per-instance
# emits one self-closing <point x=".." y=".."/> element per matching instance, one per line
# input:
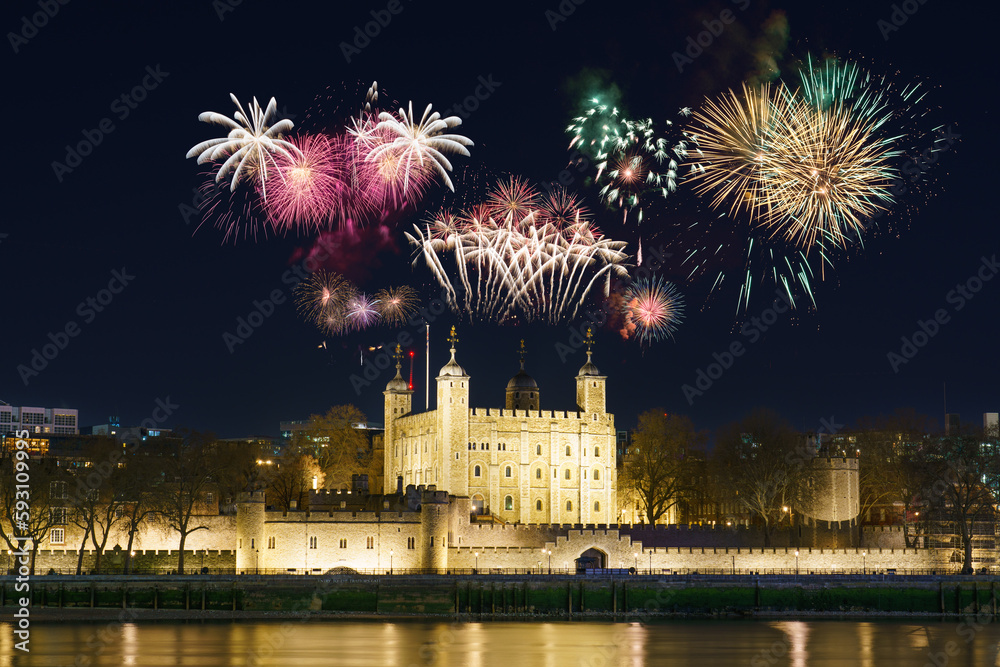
<point x="252" y="142"/>
<point x="529" y="267"/>
<point x="652" y="310"/>
<point x="361" y="312"/>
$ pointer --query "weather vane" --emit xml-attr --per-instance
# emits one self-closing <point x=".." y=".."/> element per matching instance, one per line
<point x="589" y="340"/>
<point x="453" y="338"/>
<point x="522" y="351"/>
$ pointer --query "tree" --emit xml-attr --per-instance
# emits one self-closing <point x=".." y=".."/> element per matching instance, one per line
<point x="193" y="465"/>
<point x="962" y="467"/>
<point x="32" y="512"/>
<point x="293" y="477"/>
<point x="94" y="506"/>
<point x="241" y="472"/>
<point x="341" y="449"/>
<point x="761" y="459"/>
<point x="655" y="469"/>
<point x="889" y="461"/>
<point x="138" y="488"/>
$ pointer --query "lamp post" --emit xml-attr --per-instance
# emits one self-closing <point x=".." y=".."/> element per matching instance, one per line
<point x="864" y="565"/>
<point x="636" y="556"/>
<point x="390" y="561"/>
<point x="256" y="561"/>
<point x="476" y="571"/>
<point x="651" y="561"/>
<point x="549" y="552"/>
<point x="796" y="563"/>
<point x="734" y="565"/>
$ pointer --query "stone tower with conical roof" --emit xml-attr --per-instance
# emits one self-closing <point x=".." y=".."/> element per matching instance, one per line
<point x="590" y="384"/>
<point x="522" y="390"/>
<point x="453" y="421"/>
<point x="398" y="403"/>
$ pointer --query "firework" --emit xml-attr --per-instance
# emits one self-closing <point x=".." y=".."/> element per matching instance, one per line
<point x="518" y="267"/>
<point x="252" y="141"/>
<point x="308" y="185"/>
<point x="652" y="310"/>
<point x="324" y="300"/>
<point x="416" y="145"/>
<point x="361" y="311"/>
<point x="396" y="305"/>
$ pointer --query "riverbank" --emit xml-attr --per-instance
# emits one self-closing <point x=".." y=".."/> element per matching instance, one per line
<point x="498" y="597"/>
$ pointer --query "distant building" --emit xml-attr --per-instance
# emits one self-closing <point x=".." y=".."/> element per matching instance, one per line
<point x="952" y="424"/>
<point x="36" y="421"/>
<point x="991" y="422"/>
<point x="131" y="435"/>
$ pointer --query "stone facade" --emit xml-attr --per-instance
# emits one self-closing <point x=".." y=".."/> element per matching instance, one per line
<point x="521" y="465"/>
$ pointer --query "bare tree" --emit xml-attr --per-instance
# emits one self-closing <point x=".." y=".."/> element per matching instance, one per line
<point x="29" y="512"/>
<point x="655" y="469"/>
<point x="293" y="478"/>
<point x="760" y="457"/>
<point x="339" y="446"/>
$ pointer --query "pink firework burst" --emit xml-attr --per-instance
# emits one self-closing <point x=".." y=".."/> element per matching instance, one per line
<point x="401" y="181"/>
<point x="306" y="190"/>
<point x="652" y="309"/>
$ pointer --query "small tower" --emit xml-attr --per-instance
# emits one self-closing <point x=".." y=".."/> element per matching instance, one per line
<point x="590" y="384"/>
<point x="453" y="423"/>
<point x="522" y="390"/>
<point x="398" y="402"/>
<point x="250" y="532"/>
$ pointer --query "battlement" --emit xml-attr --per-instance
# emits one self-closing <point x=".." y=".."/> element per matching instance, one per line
<point x="341" y="516"/>
<point x="835" y="462"/>
<point x="253" y="497"/>
<point x="534" y="414"/>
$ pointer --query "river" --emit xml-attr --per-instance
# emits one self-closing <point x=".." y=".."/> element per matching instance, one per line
<point x="755" y="643"/>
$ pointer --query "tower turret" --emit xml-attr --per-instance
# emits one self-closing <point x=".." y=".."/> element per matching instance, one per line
<point x="522" y="390"/>
<point x="590" y="384"/>
<point x="453" y="423"/>
<point x="398" y="403"/>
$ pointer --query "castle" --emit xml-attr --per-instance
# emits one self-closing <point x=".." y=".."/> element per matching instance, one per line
<point x="520" y="463"/>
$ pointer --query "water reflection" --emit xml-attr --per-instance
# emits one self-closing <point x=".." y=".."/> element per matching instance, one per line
<point x="503" y="644"/>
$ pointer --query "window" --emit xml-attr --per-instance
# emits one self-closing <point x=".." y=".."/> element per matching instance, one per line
<point x="370" y="543"/>
<point x="538" y="505"/>
<point x="569" y="505"/>
<point x="567" y="450"/>
<point x="555" y="474"/>
<point x="57" y="490"/>
<point x="477" y="471"/>
<point x="597" y="505"/>
<point x="508" y="503"/>
<point x="312" y="542"/>
<point x="270" y="543"/>
<point x="57" y="536"/>
<point x="597" y="474"/>
<point x="473" y="446"/>
<point x="538" y="473"/>
<point x="597" y="451"/>
<point x="506" y="472"/>
<point x="517" y="394"/>
<point x="209" y="497"/>
<point x="538" y="450"/>
<point x="567" y="473"/>
<point x="343" y="543"/>
<point x="59" y="516"/>
<point x="411" y="543"/>
<point x="252" y="543"/>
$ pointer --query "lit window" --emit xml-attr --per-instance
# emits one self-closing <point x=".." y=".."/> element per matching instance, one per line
<point x="538" y="504"/>
<point x="312" y="542"/>
<point x="538" y="473"/>
<point x="270" y="543"/>
<point x="57" y="536"/>
<point x="508" y="503"/>
<point x="597" y="505"/>
<point x="597" y="451"/>
<point x="370" y="543"/>
<point x="569" y="505"/>
<point x="567" y="450"/>
<point x="597" y="474"/>
<point x="477" y="471"/>
<point x="567" y="473"/>
<point x="343" y="543"/>
<point x="507" y="472"/>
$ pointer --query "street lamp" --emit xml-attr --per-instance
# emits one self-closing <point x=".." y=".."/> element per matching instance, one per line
<point x="256" y="561"/>
<point x="476" y="571"/>
<point x="390" y="561"/>
<point x="650" y="561"/>
<point x="796" y="563"/>
<point x="636" y="556"/>
<point x="864" y="565"/>
<point x="549" y="552"/>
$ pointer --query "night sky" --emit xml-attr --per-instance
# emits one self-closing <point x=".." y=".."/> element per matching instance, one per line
<point x="121" y="209"/>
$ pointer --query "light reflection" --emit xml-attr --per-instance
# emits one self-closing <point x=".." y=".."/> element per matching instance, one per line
<point x="866" y="638"/>
<point x="797" y="637"/>
<point x="130" y="644"/>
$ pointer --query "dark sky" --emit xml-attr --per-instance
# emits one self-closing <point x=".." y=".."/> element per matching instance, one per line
<point x="119" y="209"/>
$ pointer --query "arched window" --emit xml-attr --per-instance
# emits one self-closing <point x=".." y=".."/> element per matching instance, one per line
<point x="597" y="451"/>
<point x="538" y="504"/>
<point x="569" y="505"/>
<point x="508" y="503"/>
<point x="597" y="473"/>
<point x="567" y="450"/>
<point x="506" y="471"/>
<point x="473" y="446"/>
<point x="538" y="450"/>
<point x="477" y="471"/>
<point x="538" y="473"/>
<point x="567" y="473"/>
<point x="597" y="505"/>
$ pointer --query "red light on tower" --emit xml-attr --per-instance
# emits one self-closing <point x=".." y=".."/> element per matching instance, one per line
<point x="411" y="370"/>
